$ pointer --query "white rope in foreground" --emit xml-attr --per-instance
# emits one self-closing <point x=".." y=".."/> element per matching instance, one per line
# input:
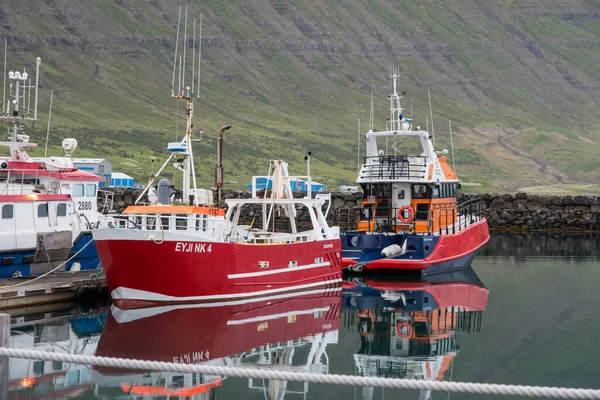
<point x="258" y="373"/>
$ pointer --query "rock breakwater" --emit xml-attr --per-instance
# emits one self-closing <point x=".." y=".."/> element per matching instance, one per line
<point x="519" y="211"/>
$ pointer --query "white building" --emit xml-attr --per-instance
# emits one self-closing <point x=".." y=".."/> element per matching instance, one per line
<point x="97" y="166"/>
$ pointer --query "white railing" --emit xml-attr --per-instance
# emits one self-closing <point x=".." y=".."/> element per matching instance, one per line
<point x="188" y="224"/>
<point x="390" y="168"/>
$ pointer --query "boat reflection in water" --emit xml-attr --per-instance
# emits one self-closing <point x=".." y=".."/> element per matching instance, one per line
<point x="408" y="328"/>
<point x="290" y="334"/>
<point x="57" y="330"/>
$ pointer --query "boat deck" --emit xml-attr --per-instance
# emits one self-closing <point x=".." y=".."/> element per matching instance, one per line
<point x="54" y="288"/>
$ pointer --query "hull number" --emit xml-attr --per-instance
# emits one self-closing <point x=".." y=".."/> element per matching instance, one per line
<point x="85" y="205"/>
<point x="193" y="247"/>
<point x="191" y="358"/>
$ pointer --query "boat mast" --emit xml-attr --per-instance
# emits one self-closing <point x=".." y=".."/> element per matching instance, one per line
<point x="20" y="98"/>
<point x="395" y="106"/>
<point x="189" y="174"/>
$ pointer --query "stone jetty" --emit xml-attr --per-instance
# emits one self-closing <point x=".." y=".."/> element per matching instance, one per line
<point x="520" y="211"/>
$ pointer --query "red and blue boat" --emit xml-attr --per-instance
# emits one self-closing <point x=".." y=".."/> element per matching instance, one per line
<point x="410" y="217"/>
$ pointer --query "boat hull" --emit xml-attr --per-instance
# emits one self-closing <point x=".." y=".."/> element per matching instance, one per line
<point x="88" y="259"/>
<point x="143" y="273"/>
<point x="426" y="253"/>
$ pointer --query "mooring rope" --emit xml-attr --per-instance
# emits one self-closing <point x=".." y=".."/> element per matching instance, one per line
<point x="48" y="272"/>
<point x="264" y="373"/>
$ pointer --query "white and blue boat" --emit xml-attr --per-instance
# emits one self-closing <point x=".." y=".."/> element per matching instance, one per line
<point x="48" y="207"/>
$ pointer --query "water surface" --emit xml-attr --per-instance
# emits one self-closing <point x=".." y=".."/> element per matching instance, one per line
<point x="526" y="313"/>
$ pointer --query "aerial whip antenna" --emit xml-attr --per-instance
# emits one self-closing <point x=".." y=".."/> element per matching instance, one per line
<point x="358" y="145"/>
<point x="452" y="147"/>
<point x="4" y="75"/>
<point x="48" y="128"/>
<point x="431" y="115"/>
<point x="38" y="61"/>
<point x="184" y="47"/>
<point x="175" y="58"/>
<point x="193" y="54"/>
<point x="199" y="56"/>
<point x="371" y="114"/>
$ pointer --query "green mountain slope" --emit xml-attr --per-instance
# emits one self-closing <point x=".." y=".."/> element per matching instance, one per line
<point x="519" y="80"/>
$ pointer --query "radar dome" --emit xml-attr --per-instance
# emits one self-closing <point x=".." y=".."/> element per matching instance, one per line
<point x="69" y="144"/>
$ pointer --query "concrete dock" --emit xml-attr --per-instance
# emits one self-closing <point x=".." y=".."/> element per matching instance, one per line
<point x="54" y="288"/>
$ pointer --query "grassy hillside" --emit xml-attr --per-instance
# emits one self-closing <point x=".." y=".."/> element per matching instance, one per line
<point x="519" y="80"/>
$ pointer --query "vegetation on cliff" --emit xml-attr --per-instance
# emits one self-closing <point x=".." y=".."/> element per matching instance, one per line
<point x="518" y="79"/>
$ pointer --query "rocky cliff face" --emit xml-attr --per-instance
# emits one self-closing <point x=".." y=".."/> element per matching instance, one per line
<point x="518" y="79"/>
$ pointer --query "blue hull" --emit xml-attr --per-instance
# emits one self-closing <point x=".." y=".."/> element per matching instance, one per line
<point x="363" y="247"/>
<point x="21" y="260"/>
<point x="88" y="258"/>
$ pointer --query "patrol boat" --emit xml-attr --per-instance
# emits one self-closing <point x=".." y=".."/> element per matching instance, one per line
<point x="410" y="218"/>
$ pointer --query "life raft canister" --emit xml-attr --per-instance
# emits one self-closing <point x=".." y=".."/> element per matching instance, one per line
<point x="404" y="330"/>
<point x="411" y="214"/>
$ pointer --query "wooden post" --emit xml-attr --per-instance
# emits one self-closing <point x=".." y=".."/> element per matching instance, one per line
<point x="4" y="342"/>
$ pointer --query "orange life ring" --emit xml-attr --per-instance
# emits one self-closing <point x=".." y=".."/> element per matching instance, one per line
<point x="406" y="334"/>
<point x="411" y="214"/>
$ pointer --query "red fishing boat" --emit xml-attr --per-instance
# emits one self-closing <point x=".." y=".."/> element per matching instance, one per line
<point x="193" y="250"/>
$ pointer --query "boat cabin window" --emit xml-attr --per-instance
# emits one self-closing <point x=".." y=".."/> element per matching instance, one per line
<point x="164" y="221"/>
<point x="150" y="223"/>
<point x="448" y="190"/>
<point x="78" y="190"/>
<point x="367" y="211"/>
<point x="421" y="192"/>
<point x="61" y="210"/>
<point x="204" y="223"/>
<point x="138" y="221"/>
<point x="383" y="208"/>
<point x="422" y="212"/>
<point x="54" y="187"/>
<point x="181" y="222"/>
<point x="7" y="211"/>
<point x="42" y="210"/>
<point x="400" y="194"/>
<point x="90" y="190"/>
<point x="197" y="222"/>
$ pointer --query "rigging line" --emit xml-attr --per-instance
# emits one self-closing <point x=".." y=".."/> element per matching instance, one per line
<point x="48" y="273"/>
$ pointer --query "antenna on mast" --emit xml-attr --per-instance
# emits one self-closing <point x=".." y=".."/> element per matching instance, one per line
<point x="184" y="47"/>
<point x="4" y="113"/>
<point x="371" y="112"/>
<point x="48" y="128"/>
<point x="175" y="58"/>
<point x="20" y="98"/>
<point x="452" y="147"/>
<point x="199" y="56"/>
<point x="193" y="56"/>
<point x="358" y="146"/>
<point x="431" y="115"/>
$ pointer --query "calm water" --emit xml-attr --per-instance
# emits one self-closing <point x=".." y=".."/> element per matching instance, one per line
<point x="527" y="313"/>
